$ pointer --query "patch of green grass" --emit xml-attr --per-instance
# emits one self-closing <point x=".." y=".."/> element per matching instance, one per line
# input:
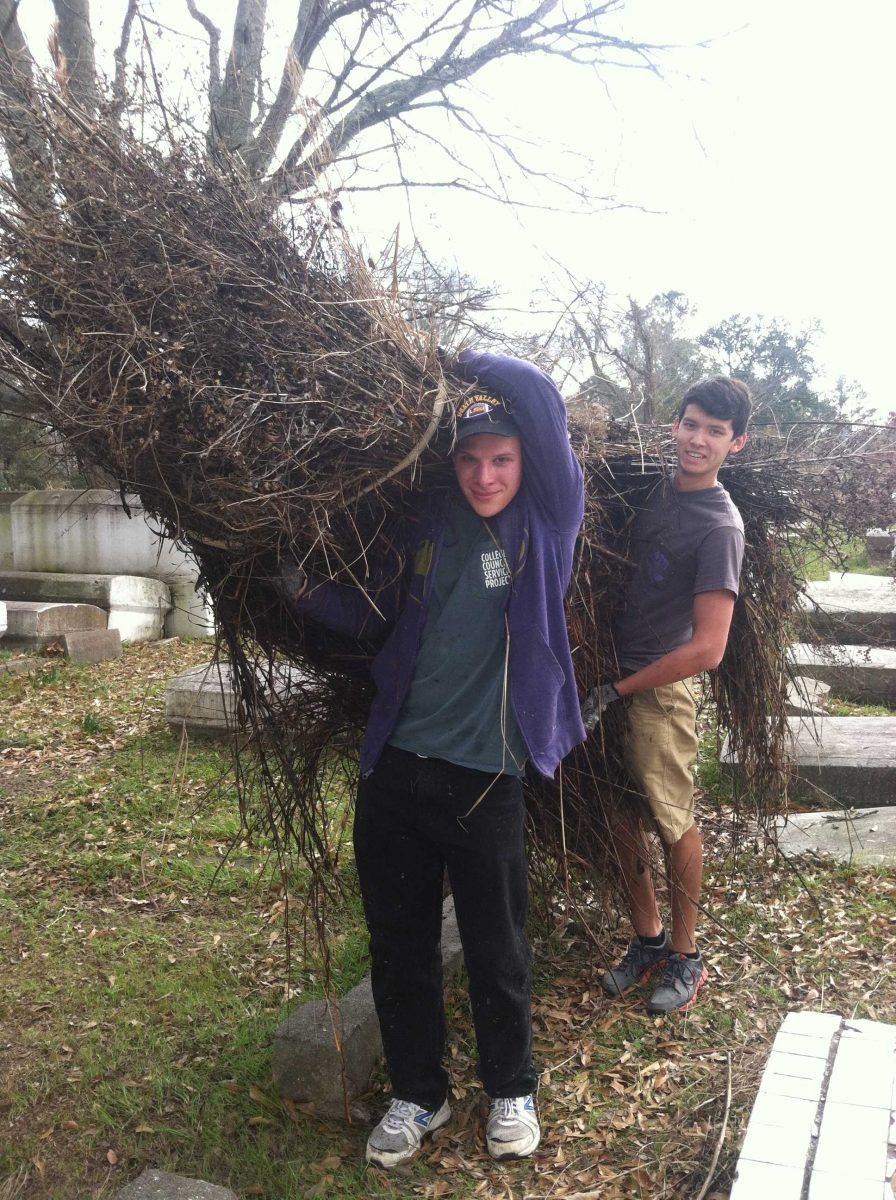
<point x="846" y="708"/>
<point x="849" y="555"/>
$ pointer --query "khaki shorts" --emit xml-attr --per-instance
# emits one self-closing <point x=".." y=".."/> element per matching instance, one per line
<point x="661" y="750"/>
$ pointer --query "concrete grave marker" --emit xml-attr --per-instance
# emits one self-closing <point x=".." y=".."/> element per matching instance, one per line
<point x="92" y="645"/>
<point x="851" y="760"/>
<point x="863" y="674"/>
<point x="852" y="609"/>
<point x="307" y="1063"/>
<point x="880" y="544"/>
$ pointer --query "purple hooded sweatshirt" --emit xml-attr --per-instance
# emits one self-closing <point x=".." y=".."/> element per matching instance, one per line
<point x="538" y="531"/>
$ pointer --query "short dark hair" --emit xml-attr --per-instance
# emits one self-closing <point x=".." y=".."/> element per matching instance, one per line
<point x="727" y="399"/>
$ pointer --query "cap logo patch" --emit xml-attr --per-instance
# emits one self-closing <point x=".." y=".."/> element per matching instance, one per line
<point x="476" y="405"/>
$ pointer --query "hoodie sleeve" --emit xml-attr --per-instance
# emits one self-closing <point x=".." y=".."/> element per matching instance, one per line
<point x="551" y="471"/>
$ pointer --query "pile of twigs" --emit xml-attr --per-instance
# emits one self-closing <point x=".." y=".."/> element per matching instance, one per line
<point x="243" y="374"/>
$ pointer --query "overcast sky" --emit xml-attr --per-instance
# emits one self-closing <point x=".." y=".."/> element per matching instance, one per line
<point x="759" y="165"/>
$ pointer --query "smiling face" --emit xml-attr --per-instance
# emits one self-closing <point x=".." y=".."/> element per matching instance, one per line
<point x="703" y="443"/>
<point x="489" y="470"/>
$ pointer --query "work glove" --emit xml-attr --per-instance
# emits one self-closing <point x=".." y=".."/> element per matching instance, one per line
<point x="596" y="703"/>
<point x="292" y="582"/>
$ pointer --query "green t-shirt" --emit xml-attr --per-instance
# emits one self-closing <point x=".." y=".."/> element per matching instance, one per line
<point x="458" y="706"/>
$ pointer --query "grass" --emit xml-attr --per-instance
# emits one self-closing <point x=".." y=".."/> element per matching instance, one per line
<point x="145" y="973"/>
<point x="851" y="556"/>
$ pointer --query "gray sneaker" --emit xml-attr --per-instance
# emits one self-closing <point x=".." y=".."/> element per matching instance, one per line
<point x="638" y="963"/>
<point x="402" y="1129"/>
<point x="683" y="978"/>
<point x="512" y="1130"/>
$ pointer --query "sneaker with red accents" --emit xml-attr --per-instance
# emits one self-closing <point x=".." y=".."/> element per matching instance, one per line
<point x="683" y="978"/>
<point x="635" y="967"/>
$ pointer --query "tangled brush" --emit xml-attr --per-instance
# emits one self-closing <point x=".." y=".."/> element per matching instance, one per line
<point x="246" y="376"/>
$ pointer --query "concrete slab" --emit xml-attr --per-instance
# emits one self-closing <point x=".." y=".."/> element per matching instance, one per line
<point x="863" y="836"/>
<point x="863" y="674"/>
<point x="34" y="624"/>
<point x="137" y="605"/>
<point x="92" y="645"/>
<point x="3" y="618"/>
<point x="851" y="609"/>
<point x="325" y="1053"/>
<point x="834" y="1134"/>
<point x="850" y="760"/>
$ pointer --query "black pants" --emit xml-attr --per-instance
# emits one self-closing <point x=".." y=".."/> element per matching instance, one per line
<point x="406" y="833"/>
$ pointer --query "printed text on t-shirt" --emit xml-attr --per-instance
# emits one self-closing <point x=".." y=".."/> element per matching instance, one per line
<point x="494" y="569"/>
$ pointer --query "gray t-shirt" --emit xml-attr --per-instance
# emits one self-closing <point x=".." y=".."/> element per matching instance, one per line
<point x="457" y="707"/>
<point x="683" y="543"/>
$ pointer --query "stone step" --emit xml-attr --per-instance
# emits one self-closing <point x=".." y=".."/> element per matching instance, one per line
<point x="865" y="837"/>
<point x="136" y="605"/>
<point x="863" y="674"/>
<point x="823" y="1113"/>
<point x="33" y="623"/>
<point x="851" y="760"/>
<point x="3" y="618"/>
<point x="852" y="609"/>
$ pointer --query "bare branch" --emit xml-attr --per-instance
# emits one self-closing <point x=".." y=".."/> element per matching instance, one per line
<point x="315" y="18"/>
<point x="76" y="44"/>
<point x="231" y="116"/>
<point x="214" y="51"/>
<point x="119" y="87"/>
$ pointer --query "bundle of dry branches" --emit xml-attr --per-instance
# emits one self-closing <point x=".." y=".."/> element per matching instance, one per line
<point x="244" y="375"/>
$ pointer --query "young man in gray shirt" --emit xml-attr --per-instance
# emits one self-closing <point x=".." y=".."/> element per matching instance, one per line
<point x="688" y="547"/>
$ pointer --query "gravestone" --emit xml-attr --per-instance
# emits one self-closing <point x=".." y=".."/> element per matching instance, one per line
<point x="326" y="1052"/>
<point x="32" y="624"/>
<point x="879" y="543"/>
<point x="852" y="609"/>
<point x="3" y="619"/>
<point x="864" y="837"/>
<point x="851" y="760"/>
<point x="6" y="502"/>
<point x="863" y="674"/>
<point x="820" y="1128"/>
<point x="805" y="697"/>
<point x="137" y="605"/>
<point x="202" y="700"/>
<point x="92" y="645"/>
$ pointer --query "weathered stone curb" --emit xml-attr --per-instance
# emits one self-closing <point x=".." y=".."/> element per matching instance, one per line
<point x="307" y="1063"/>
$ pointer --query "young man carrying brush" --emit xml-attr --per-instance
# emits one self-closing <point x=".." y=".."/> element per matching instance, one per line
<point x="474" y="680"/>
<point x="687" y="545"/>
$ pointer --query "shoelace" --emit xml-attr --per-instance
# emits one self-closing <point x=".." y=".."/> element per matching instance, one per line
<point x="400" y="1112"/>
<point x="506" y="1106"/>
<point x="678" y="968"/>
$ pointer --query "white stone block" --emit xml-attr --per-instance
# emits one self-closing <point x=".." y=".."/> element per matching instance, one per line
<point x="878" y="1031"/>
<point x="856" y="1136"/>
<point x="815" y="1024"/>
<point x="37" y="624"/>
<point x="802" y="1044"/>
<point x="6" y="502"/>
<point x="784" y="1112"/>
<point x="776" y="1144"/>
<point x="825" y="1186"/>
<point x="862" y="1074"/>
<point x="798" y="1066"/>
<point x="3" y="618"/>
<point x="766" y="1181"/>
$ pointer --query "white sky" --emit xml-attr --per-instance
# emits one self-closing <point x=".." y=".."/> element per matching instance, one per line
<point x="764" y="159"/>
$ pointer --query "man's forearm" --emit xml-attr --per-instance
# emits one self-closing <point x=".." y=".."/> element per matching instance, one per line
<point x="689" y="659"/>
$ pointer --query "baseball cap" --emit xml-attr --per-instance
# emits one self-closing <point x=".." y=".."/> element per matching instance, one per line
<point x="481" y="413"/>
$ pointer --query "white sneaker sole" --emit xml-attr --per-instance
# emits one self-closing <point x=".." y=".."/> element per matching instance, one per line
<point x="392" y="1158"/>
<point x="521" y="1148"/>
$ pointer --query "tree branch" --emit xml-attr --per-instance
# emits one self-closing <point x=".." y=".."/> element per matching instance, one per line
<point x="26" y="146"/>
<point x="119" y="86"/>
<point x="76" y="44"/>
<point x="214" y="51"/>
<point x="231" y="116"/>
